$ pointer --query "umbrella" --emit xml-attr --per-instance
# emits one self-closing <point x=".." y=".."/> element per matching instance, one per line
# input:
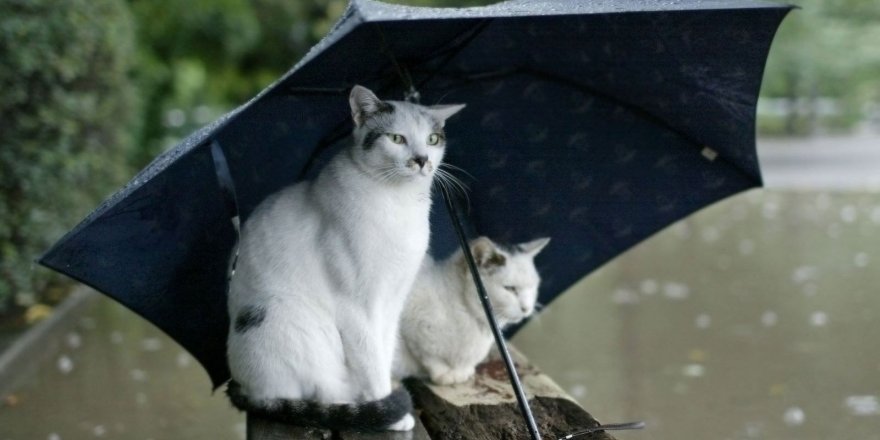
<point x="596" y="123"/>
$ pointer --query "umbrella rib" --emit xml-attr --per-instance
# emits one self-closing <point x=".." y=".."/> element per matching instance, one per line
<point x="454" y="49"/>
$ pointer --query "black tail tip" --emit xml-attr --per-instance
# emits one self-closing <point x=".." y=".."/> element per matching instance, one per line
<point x="376" y="415"/>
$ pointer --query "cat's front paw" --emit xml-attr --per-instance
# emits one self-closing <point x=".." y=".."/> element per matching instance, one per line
<point x="452" y="377"/>
<point x="404" y="424"/>
<point x="463" y="375"/>
<point x="444" y="378"/>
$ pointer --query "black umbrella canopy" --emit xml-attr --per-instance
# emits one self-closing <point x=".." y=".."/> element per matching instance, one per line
<point x="595" y="123"/>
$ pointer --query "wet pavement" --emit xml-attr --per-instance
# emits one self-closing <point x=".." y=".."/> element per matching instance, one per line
<point x="755" y="319"/>
<point x="115" y="376"/>
<point x="842" y="162"/>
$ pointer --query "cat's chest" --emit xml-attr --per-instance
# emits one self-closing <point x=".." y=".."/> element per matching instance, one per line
<point x="398" y="215"/>
<point x="393" y="231"/>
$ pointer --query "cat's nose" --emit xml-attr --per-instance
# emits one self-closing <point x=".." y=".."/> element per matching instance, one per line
<point x="421" y="160"/>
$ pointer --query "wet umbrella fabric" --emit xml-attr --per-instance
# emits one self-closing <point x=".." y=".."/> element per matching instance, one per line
<point x="594" y="123"/>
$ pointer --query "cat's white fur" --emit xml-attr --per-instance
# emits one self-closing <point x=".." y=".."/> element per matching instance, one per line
<point x="331" y="262"/>
<point x="444" y="332"/>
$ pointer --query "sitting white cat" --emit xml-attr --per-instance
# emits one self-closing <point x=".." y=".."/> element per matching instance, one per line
<point x="324" y="269"/>
<point x="444" y="332"/>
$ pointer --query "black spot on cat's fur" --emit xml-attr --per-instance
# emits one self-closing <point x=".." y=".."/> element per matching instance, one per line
<point x="370" y="139"/>
<point x="384" y="107"/>
<point x="249" y="317"/>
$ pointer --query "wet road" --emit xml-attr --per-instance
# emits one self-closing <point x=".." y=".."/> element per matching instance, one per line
<point x="116" y="376"/>
<point x="822" y="163"/>
<point x="756" y="319"/>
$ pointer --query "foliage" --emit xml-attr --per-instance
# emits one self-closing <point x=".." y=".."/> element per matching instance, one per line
<point x="66" y="106"/>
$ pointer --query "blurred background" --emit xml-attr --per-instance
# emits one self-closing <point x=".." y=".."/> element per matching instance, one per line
<point x="751" y="319"/>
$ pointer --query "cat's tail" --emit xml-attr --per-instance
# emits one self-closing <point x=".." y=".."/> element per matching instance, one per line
<point x="374" y="415"/>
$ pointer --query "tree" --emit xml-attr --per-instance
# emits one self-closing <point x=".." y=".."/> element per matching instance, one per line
<point x="66" y="109"/>
<point x="826" y="50"/>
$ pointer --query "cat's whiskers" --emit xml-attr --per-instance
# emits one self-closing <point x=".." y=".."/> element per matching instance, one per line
<point x="451" y="183"/>
<point x="456" y="168"/>
<point x="387" y="173"/>
<point x="455" y="180"/>
<point x="441" y="180"/>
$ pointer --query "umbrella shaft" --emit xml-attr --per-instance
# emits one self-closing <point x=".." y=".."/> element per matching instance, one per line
<point x="521" y="398"/>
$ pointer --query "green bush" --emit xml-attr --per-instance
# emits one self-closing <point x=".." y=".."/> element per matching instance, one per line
<point x="67" y="108"/>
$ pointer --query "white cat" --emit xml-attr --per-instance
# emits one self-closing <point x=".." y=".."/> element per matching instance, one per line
<point x="323" y="271"/>
<point x="444" y="332"/>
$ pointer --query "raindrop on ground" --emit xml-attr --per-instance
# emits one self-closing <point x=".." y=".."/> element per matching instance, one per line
<point x="794" y="416"/>
<point x="65" y="364"/>
<point x="819" y="319"/>
<point x="676" y="290"/>
<point x="867" y="405"/>
<point x="769" y="318"/>
<point x="703" y="321"/>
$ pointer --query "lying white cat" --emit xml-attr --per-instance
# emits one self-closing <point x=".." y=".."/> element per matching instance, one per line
<point x="444" y="333"/>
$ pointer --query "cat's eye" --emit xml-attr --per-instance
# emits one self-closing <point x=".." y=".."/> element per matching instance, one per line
<point x="511" y="289"/>
<point x="433" y="139"/>
<point x="397" y="138"/>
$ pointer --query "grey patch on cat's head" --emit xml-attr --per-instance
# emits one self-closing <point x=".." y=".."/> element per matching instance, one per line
<point x="370" y="138"/>
<point x="249" y="317"/>
<point x="487" y="255"/>
<point x="377" y="124"/>
<point x="364" y="104"/>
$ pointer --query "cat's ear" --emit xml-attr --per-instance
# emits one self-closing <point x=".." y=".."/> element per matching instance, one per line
<point x="443" y="112"/>
<point x="486" y="253"/>
<point x="533" y="247"/>
<point x="363" y="103"/>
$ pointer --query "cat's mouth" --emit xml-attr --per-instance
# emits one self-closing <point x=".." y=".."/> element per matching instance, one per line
<point x="512" y="317"/>
<point x="402" y="173"/>
<point x="517" y="315"/>
<point x="416" y="171"/>
<point x="420" y="165"/>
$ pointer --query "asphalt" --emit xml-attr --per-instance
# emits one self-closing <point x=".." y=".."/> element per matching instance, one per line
<point x="822" y="162"/>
